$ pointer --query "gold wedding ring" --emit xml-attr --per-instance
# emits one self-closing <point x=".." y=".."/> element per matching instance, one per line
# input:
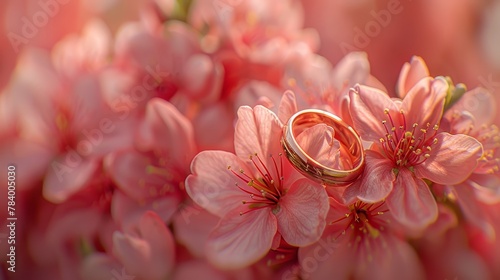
<point x="350" y="146"/>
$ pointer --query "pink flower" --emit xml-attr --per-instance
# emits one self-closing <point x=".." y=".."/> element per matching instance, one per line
<point x="408" y="148"/>
<point x="473" y="115"/>
<point x="257" y="194"/>
<point x="150" y="175"/>
<point x="360" y="242"/>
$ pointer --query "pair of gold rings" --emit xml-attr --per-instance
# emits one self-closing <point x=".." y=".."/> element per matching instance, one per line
<point x="350" y="145"/>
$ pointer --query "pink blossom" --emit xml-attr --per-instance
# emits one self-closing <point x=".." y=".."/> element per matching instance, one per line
<point x="67" y="121"/>
<point x="150" y="175"/>
<point x="360" y="242"/>
<point x="407" y="148"/>
<point x="473" y="115"/>
<point x="256" y="192"/>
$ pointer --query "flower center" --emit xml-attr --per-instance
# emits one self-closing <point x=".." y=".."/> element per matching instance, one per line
<point x="407" y="147"/>
<point x="489" y="136"/>
<point x="264" y="189"/>
<point x="364" y="220"/>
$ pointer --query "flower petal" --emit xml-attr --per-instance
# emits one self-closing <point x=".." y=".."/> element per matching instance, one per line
<point x="150" y="244"/>
<point x="212" y="185"/>
<point x="411" y="202"/>
<point x="66" y="177"/>
<point x="287" y="106"/>
<point x="430" y="94"/>
<point x="410" y="74"/>
<point x="479" y="102"/>
<point x="452" y="159"/>
<point x="240" y="240"/>
<point x="130" y="171"/>
<point x="164" y="126"/>
<point x="319" y="143"/>
<point x="367" y="109"/>
<point x="192" y="226"/>
<point x="353" y="68"/>
<point x="303" y="209"/>
<point x="375" y="183"/>
<point x="258" y="130"/>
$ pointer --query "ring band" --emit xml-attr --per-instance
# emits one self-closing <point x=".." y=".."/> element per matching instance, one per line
<point x="345" y="134"/>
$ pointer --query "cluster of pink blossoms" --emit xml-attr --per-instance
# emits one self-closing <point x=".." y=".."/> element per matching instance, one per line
<point x="155" y="153"/>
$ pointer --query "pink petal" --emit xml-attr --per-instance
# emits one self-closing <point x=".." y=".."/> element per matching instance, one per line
<point x="486" y="187"/>
<point x="100" y="266"/>
<point x="192" y="226"/>
<point x="197" y="269"/>
<point x="367" y="110"/>
<point x="411" y="202"/>
<point x="384" y="257"/>
<point x="410" y="74"/>
<point x="27" y="157"/>
<point x="389" y="258"/>
<point x="128" y="210"/>
<point x="212" y="184"/>
<point x="302" y="213"/>
<point x="480" y="103"/>
<point x="353" y="68"/>
<point x="472" y="210"/>
<point x="451" y="160"/>
<point x="129" y="170"/>
<point x="375" y="183"/>
<point x="166" y="127"/>
<point x="66" y="177"/>
<point x="287" y="106"/>
<point x="241" y="240"/>
<point x="318" y="142"/>
<point x="430" y="94"/>
<point x="258" y="130"/>
<point x="255" y="93"/>
<point x="150" y="246"/>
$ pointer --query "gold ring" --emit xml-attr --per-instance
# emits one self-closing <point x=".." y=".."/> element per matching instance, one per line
<point x="350" y="145"/>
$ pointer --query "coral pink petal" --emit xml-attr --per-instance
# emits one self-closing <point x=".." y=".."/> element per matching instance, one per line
<point x="430" y="94"/>
<point x="128" y="210"/>
<point x="385" y="257"/>
<point x="389" y="258"/>
<point x="375" y="183"/>
<point x="150" y="246"/>
<point x="258" y="130"/>
<point x="212" y="184"/>
<point x="241" y="240"/>
<point x="66" y="177"/>
<point x="473" y="211"/>
<point x="411" y="202"/>
<point x="27" y="157"/>
<point x="99" y="266"/>
<point x="452" y="159"/>
<point x="287" y="106"/>
<point x="410" y="74"/>
<point x="192" y="226"/>
<point x="302" y="213"/>
<point x="166" y="127"/>
<point x="130" y="171"/>
<point x="367" y="109"/>
<point x="480" y="103"/>
<point x="319" y="143"/>
<point x="353" y="68"/>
